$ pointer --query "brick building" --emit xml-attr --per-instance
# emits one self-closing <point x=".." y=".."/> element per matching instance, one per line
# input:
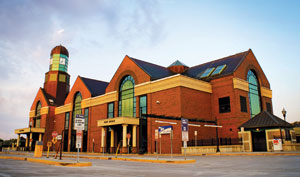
<point x="141" y="97"/>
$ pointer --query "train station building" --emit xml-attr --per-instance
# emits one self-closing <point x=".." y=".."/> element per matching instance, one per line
<point x="141" y="97"/>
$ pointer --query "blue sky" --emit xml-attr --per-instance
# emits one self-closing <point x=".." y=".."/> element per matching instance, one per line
<point x="99" y="33"/>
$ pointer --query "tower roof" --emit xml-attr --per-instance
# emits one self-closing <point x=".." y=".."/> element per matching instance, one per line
<point x="177" y="63"/>
<point x="60" y="50"/>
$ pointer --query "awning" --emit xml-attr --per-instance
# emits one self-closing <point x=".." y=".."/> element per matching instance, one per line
<point x="118" y="121"/>
<point x="265" y="120"/>
<point x="29" y="130"/>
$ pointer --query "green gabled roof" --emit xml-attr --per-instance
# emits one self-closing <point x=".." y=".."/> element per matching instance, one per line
<point x="177" y="63"/>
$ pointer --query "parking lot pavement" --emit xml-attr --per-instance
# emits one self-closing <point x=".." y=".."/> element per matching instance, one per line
<point x="205" y="166"/>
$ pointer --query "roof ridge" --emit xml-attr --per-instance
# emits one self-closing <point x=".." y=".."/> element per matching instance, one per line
<point x="93" y="79"/>
<point x="272" y="117"/>
<point x="220" y="59"/>
<point x="146" y="62"/>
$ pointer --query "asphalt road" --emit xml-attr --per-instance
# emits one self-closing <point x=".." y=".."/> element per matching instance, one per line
<point x="205" y="166"/>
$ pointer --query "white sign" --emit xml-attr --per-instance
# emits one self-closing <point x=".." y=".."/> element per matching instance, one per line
<point x="78" y="139"/>
<point x="165" y="129"/>
<point x="185" y="136"/>
<point x="59" y="137"/>
<point x="277" y="144"/>
<point x="79" y="122"/>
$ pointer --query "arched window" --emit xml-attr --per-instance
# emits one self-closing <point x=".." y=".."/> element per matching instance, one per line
<point x="76" y="107"/>
<point x="37" y="121"/>
<point x="127" y="100"/>
<point x="254" y="94"/>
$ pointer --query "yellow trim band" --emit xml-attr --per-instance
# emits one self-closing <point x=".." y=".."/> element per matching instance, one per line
<point x="266" y="92"/>
<point x="63" y="109"/>
<point x="172" y="82"/>
<point x="240" y="84"/>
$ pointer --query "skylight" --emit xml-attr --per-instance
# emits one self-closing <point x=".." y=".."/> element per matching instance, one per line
<point x="207" y="72"/>
<point x="219" y="69"/>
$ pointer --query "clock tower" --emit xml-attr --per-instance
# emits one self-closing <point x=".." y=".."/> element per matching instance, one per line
<point x="57" y="80"/>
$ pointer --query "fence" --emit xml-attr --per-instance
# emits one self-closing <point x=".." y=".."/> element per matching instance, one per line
<point x="213" y="142"/>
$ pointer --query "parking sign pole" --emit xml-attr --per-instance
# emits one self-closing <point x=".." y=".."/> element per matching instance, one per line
<point x="171" y="135"/>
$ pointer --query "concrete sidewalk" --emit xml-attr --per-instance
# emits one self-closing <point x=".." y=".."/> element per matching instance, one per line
<point x="49" y="161"/>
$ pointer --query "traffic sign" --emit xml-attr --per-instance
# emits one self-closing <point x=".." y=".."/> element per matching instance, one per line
<point x="54" y="140"/>
<point x="54" y="134"/>
<point x="79" y="122"/>
<point x="78" y="139"/>
<point x="49" y="143"/>
<point x="59" y="137"/>
<point x="185" y="136"/>
<point x="184" y="124"/>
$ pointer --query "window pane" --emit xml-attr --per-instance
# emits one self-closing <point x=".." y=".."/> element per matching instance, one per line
<point x="254" y="97"/>
<point x="207" y="72"/>
<point x="224" y="104"/>
<point x="243" y="103"/>
<point x="127" y="103"/>
<point x="67" y="118"/>
<point x="110" y="110"/>
<point x="86" y="117"/>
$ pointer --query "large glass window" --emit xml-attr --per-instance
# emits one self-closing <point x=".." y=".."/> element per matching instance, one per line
<point x="110" y="110"/>
<point x="86" y="118"/>
<point x="127" y="101"/>
<point x="37" y="122"/>
<point x="143" y="105"/>
<point x="254" y="96"/>
<point x="243" y="103"/>
<point x="77" y="107"/>
<point x="67" y="119"/>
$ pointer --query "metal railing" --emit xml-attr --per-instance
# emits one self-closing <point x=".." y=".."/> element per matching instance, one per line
<point x="213" y="142"/>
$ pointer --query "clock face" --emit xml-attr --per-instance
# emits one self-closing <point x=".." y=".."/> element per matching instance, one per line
<point x="51" y="61"/>
<point x="62" y="61"/>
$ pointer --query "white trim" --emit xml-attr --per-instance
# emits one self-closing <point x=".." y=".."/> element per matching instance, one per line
<point x="164" y="122"/>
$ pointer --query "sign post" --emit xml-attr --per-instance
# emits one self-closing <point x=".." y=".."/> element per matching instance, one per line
<point x="185" y="134"/>
<point x="49" y="143"/>
<point x="54" y="140"/>
<point x="79" y="126"/>
<point x="166" y="130"/>
<point x="196" y="138"/>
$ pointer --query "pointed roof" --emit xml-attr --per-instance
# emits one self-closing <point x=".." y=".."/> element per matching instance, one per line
<point x="177" y="63"/>
<point x="265" y="119"/>
<point x="153" y="70"/>
<point x="96" y="87"/>
<point x="232" y="62"/>
<point x="50" y="99"/>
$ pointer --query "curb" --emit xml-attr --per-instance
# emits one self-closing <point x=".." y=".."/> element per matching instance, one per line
<point x="49" y="162"/>
<point x="248" y="154"/>
<point x="138" y="160"/>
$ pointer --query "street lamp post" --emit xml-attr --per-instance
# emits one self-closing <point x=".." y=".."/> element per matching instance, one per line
<point x="284" y="116"/>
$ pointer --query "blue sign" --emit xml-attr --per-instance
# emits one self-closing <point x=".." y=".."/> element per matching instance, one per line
<point x="165" y="129"/>
<point x="184" y="125"/>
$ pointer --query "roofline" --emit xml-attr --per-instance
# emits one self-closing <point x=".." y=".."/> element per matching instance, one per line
<point x="219" y="59"/>
<point x="85" y="85"/>
<point x="132" y="59"/>
<point x="242" y="60"/>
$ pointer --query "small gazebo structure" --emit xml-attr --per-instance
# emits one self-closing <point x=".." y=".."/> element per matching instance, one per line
<point x="258" y="133"/>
